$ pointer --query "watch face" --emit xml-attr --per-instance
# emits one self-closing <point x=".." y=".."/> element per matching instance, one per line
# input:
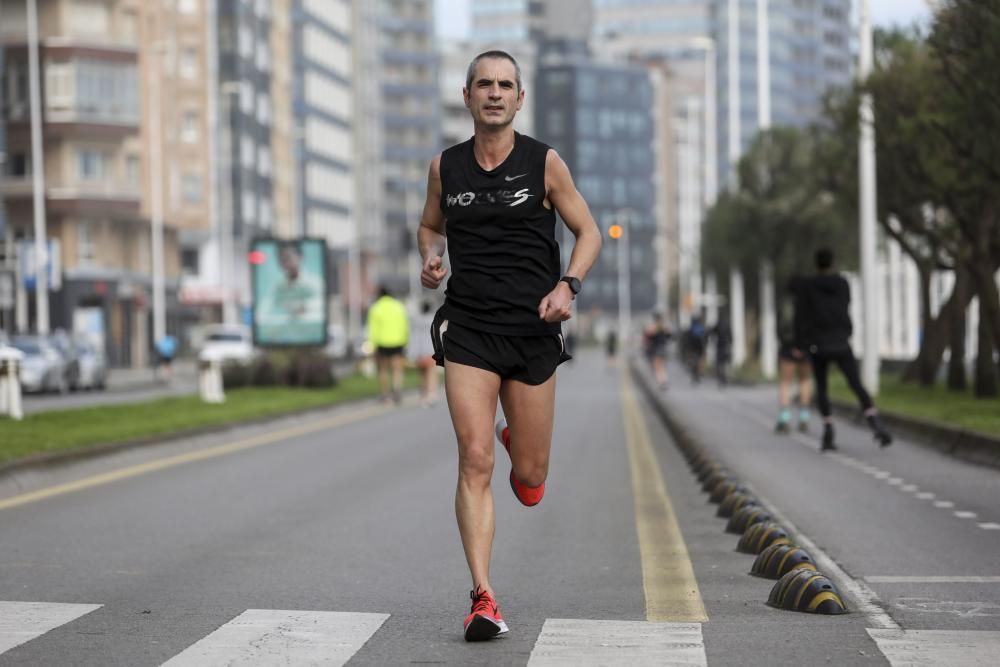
<point x="574" y="284"/>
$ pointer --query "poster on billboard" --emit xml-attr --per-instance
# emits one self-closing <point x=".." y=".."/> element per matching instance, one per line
<point x="289" y="292"/>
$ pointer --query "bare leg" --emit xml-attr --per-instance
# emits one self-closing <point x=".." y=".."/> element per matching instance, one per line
<point x="472" y="401"/>
<point x="529" y="410"/>
<point x="397" y="373"/>
<point x="804" y="373"/>
<point x="786" y="370"/>
<point x="382" y="363"/>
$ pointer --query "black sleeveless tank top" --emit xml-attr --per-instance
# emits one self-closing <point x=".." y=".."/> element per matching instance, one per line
<point x="501" y="240"/>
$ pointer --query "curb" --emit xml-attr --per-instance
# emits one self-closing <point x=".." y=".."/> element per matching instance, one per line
<point x="963" y="444"/>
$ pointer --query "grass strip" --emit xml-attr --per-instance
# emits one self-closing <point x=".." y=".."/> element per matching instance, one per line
<point x="936" y="404"/>
<point x="63" y="430"/>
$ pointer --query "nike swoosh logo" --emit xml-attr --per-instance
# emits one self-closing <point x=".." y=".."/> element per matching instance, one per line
<point x="514" y="178"/>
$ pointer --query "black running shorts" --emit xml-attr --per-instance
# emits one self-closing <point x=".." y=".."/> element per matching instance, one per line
<point x="528" y="359"/>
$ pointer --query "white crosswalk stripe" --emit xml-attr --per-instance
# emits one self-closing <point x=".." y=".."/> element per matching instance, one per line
<point x="585" y="643"/>
<point x="955" y="648"/>
<point x="21" y="622"/>
<point x="264" y="637"/>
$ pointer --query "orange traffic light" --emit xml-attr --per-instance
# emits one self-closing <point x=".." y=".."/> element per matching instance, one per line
<point x="615" y="231"/>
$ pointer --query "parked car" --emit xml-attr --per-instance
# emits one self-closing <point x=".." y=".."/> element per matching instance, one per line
<point x="93" y="364"/>
<point x="229" y="343"/>
<point x="64" y="344"/>
<point x="43" y="367"/>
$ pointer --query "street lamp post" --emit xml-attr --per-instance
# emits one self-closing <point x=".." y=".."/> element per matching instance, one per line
<point x="156" y="197"/>
<point x="619" y="232"/>
<point x="38" y="174"/>
<point x="867" y="236"/>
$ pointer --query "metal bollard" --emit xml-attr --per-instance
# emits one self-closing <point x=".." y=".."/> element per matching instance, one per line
<point x="210" y="378"/>
<point x="10" y="383"/>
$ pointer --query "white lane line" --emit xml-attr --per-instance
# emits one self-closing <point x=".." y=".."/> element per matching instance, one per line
<point x="955" y="648"/>
<point x="965" y="515"/>
<point x="21" y="622"/>
<point x="260" y="637"/>
<point x="882" y="474"/>
<point x="926" y="495"/>
<point x="944" y="504"/>
<point x="634" y="643"/>
<point x="989" y="525"/>
<point x="894" y="481"/>
<point x="957" y="579"/>
<point x="908" y="488"/>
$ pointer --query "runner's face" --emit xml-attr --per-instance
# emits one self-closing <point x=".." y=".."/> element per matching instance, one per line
<point x="494" y="98"/>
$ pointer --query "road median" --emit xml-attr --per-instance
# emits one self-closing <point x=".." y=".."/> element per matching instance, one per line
<point x="66" y="434"/>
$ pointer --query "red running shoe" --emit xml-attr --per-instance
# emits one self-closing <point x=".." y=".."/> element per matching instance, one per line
<point x="528" y="495"/>
<point x="484" y="621"/>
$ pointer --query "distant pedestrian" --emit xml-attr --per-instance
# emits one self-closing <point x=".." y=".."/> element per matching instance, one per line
<point x="421" y="351"/>
<point x="794" y="365"/>
<point x="611" y="347"/>
<point x="388" y="333"/>
<point x="655" y="337"/>
<point x="695" y="344"/>
<point x="722" y="335"/>
<point x="166" y="350"/>
<point x="823" y="327"/>
<point x="493" y="200"/>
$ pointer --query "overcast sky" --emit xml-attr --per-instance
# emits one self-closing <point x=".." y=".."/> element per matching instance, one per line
<point x="453" y="15"/>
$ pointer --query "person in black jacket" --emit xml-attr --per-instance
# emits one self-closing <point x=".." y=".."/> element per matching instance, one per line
<point x="823" y="327"/>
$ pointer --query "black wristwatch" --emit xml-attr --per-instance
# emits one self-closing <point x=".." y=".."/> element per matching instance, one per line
<point x="574" y="284"/>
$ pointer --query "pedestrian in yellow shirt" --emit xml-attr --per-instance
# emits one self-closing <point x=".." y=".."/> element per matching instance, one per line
<point x="388" y="334"/>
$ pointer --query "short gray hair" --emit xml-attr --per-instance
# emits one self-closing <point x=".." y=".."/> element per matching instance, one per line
<point x="496" y="53"/>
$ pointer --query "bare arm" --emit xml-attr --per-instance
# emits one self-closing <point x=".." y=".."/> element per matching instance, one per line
<point x="431" y="239"/>
<point x="567" y="200"/>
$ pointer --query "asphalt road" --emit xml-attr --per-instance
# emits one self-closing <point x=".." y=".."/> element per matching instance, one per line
<point x="235" y="548"/>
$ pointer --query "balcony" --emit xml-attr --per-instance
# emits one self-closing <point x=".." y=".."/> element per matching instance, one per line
<point x="108" y="199"/>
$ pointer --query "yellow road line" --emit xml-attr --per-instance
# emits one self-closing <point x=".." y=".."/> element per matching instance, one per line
<point x="190" y="457"/>
<point x="667" y="575"/>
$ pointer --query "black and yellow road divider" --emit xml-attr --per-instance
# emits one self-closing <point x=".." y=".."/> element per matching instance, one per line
<point x="799" y="586"/>
<point x="762" y="535"/>
<point x="725" y="488"/>
<point x="777" y="560"/>
<point x="709" y="483"/>
<point x="712" y="483"/>
<point x="746" y="517"/>
<point x="707" y="470"/>
<point x="807" y="590"/>
<point x="733" y="502"/>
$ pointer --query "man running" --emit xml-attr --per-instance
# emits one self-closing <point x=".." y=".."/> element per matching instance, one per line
<point x="823" y="327"/>
<point x="498" y="333"/>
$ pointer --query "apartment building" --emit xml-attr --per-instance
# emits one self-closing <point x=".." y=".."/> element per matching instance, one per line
<point x="408" y="74"/>
<point x="91" y="54"/>
<point x="599" y="117"/>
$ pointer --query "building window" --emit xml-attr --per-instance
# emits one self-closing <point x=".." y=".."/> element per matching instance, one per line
<point x="132" y="174"/>
<point x="247" y="152"/>
<point x="86" y="247"/>
<point x="246" y="97"/>
<point x="90" y="17"/>
<point x="18" y="165"/>
<point x="188" y="7"/>
<point x="91" y="165"/>
<point x="264" y="161"/>
<point x="191" y="188"/>
<point x="188" y="63"/>
<point x="189" y="127"/>
<point x="189" y="261"/>
<point x="264" y="109"/>
<point x="246" y="42"/>
<point x="249" y="207"/>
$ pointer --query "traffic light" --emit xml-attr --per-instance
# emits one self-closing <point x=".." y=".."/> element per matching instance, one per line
<point x="615" y="231"/>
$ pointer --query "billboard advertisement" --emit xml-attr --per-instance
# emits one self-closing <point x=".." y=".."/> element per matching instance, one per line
<point x="289" y="292"/>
